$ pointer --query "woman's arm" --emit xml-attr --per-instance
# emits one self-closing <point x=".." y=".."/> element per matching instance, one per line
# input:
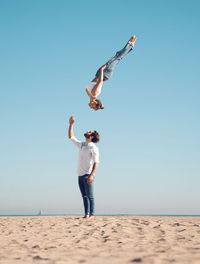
<point x="101" y="72"/>
<point x="96" y="88"/>
<point x="90" y="95"/>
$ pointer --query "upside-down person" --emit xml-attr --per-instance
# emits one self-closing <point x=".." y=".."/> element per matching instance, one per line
<point x="93" y="89"/>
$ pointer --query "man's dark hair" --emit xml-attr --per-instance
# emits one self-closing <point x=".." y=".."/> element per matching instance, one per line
<point x="95" y="136"/>
<point x="99" y="104"/>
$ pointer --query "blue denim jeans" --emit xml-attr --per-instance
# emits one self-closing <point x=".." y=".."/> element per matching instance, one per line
<point x="87" y="193"/>
<point x="108" y="72"/>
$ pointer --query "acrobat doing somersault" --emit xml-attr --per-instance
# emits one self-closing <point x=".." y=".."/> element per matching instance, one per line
<point x="93" y="89"/>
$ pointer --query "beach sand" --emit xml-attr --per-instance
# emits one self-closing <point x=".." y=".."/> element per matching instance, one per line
<point x="101" y="239"/>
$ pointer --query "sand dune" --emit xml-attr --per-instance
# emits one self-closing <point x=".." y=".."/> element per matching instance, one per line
<point x="102" y="239"/>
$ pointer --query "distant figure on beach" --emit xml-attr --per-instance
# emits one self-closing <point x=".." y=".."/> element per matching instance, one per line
<point x="87" y="165"/>
<point x="93" y="89"/>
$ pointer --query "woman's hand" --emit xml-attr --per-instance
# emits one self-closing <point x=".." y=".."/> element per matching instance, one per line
<point x="104" y="67"/>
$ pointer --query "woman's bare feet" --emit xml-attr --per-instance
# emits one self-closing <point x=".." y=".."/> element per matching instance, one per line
<point x="132" y="40"/>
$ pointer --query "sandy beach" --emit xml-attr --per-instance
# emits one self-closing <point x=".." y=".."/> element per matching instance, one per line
<point x="101" y="239"/>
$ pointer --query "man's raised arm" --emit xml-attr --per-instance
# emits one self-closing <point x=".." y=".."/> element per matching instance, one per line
<point x="71" y="123"/>
<point x="71" y="136"/>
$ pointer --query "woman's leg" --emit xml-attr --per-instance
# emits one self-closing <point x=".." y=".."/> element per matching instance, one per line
<point x="114" y="61"/>
<point x="81" y="183"/>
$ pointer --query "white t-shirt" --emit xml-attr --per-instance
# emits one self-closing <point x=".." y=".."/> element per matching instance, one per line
<point x="88" y="154"/>
<point x="90" y="87"/>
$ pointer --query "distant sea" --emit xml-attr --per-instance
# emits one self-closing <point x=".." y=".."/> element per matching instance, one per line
<point x="102" y="215"/>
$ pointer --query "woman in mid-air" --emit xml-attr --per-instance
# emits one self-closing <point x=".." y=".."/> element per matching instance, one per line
<point x="93" y="89"/>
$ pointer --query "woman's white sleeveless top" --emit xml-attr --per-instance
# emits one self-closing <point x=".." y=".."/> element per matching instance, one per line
<point x="90" y="87"/>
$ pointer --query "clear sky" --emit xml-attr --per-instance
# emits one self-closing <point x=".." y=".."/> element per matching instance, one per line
<point x="149" y="147"/>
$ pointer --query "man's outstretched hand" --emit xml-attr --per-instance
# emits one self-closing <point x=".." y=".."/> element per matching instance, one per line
<point x="72" y="120"/>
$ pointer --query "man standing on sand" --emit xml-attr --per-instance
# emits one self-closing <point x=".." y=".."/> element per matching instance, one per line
<point x="87" y="165"/>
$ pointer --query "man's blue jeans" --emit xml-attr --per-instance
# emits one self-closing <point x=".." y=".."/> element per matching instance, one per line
<point x="87" y="193"/>
<point x="108" y="72"/>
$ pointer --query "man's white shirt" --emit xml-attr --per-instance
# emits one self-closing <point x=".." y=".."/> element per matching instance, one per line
<point x="88" y="155"/>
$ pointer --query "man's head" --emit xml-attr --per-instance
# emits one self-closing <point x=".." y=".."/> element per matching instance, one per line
<point x="96" y="104"/>
<point x="92" y="136"/>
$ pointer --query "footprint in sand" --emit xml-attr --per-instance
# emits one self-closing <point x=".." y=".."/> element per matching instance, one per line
<point x="176" y="224"/>
<point x="145" y="223"/>
<point x="160" y="251"/>
<point x="136" y="260"/>
<point x="181" y="230"/>
<point x="162" y="240"/>
<point x="36" y="246"/>
<point x="156" y="226"/>
<point x="106" y="238"/>
<point x="180" y="237"/>
<point x="39" y="258"/>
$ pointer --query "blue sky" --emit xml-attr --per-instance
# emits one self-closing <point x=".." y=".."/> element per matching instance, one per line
<point x="149" y="148"/>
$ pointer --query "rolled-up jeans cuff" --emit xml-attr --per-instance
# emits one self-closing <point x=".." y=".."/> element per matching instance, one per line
<point x="130" y="46"/>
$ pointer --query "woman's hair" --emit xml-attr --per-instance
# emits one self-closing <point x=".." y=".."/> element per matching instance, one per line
<point x="95" y="136"/>
<point x="99" y="105"/>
